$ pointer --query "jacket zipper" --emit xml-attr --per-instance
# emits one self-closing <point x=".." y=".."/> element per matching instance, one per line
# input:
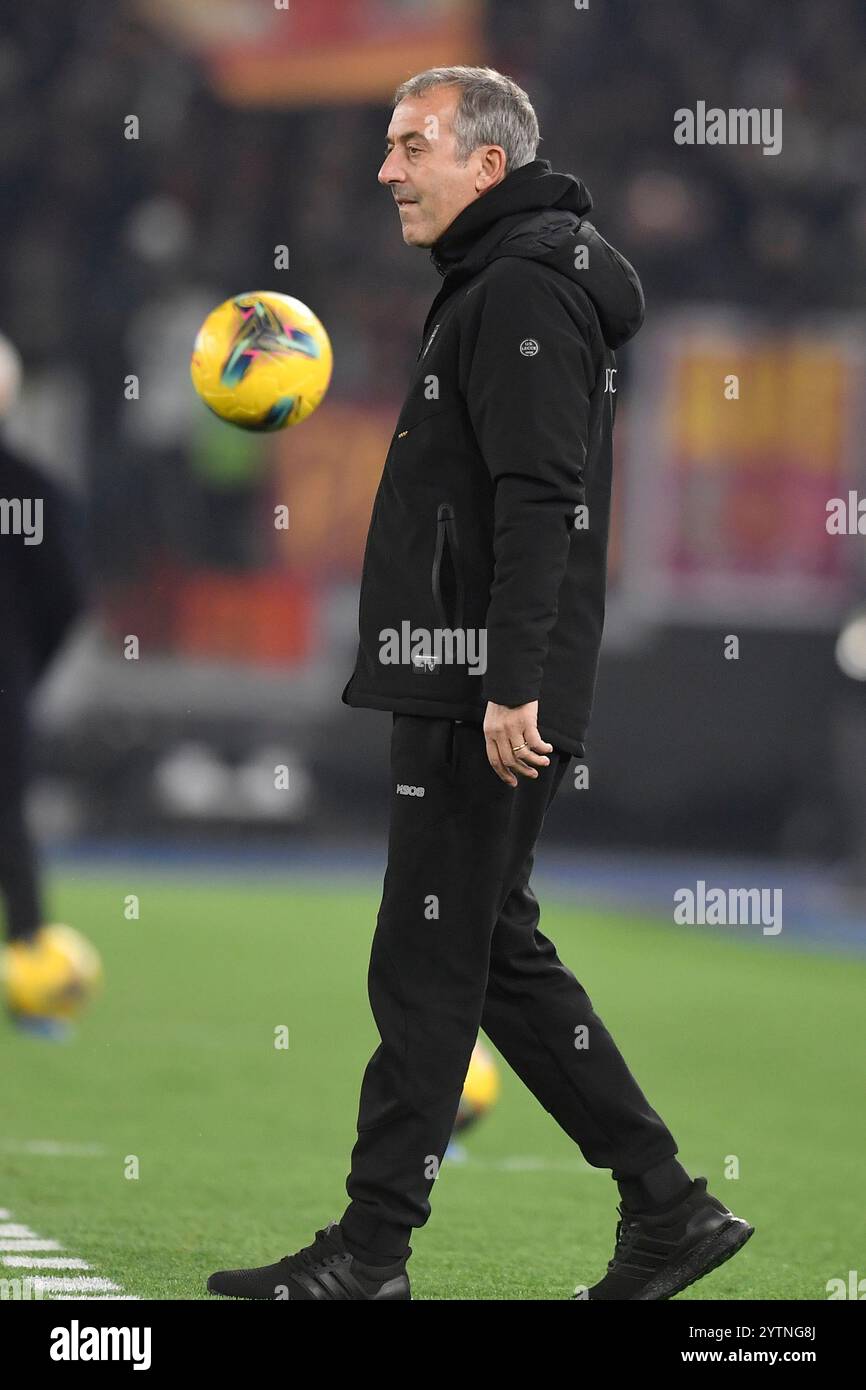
<point x="446" y="529"/>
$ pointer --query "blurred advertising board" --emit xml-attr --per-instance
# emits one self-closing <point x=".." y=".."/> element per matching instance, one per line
<point x="305" y="515"/>
<point x="293" y="52"/>
<point x="740" y="434"/>
<point x="327" y="474"/>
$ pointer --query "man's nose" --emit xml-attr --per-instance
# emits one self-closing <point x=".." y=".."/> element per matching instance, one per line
<point x="389" y="172"/>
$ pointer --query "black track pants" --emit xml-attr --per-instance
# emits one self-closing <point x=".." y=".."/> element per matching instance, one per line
<point x="457" y="947"/>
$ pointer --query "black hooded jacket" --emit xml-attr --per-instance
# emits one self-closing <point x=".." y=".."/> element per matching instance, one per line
<point x="484" y="571"/>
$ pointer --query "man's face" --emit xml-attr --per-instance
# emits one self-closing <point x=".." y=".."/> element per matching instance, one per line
<point x="421" y="169"/>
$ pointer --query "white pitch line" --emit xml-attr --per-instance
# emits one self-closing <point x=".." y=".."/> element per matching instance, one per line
<point x="17" y="1246"/>
<point x="42" y="1262"/>
<point x="51" y="1148"/>
<point x="94" y="1298"/>
<point x="538" y="1165"/>
<point x="522" y="1164"/>
<point x="76" y="1284"/>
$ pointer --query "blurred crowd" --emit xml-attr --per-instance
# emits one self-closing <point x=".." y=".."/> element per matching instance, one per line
<point x="114" y="246"/>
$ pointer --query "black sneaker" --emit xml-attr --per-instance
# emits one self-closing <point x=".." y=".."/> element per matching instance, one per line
<point x="324" y="1270"/>
<point x="659" y="1254"/>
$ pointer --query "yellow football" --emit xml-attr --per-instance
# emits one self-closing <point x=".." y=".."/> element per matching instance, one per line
<point x="480" y="1089"/>
<point x="262" y="361"/>
<point x="54" y="976"/>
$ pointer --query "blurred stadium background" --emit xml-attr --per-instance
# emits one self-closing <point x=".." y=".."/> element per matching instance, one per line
<point x="260" y="128"/>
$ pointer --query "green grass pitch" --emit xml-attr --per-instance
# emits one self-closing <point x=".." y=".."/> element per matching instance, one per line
<point x="746" y="1048"/>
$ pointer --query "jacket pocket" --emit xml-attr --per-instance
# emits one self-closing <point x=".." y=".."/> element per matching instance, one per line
<point x="409" y="425"/>
<point x="447" y="542"/>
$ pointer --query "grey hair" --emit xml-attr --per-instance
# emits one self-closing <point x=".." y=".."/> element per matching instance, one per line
<point x="492" y="110"/>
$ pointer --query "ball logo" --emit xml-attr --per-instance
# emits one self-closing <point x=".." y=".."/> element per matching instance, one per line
<point x="404" y="790"/>
<point x="528" y="348"/>
<point x="261" y="334"/>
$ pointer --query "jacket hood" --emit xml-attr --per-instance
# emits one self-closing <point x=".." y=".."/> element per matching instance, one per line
<point x="540" y="215"/>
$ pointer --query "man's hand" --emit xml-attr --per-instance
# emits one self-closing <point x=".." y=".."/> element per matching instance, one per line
<point x="505" y="730"/>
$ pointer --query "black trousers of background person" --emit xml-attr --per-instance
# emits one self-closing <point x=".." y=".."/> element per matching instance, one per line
<point x="19" y="879"/>
<point x="457" y="947"/>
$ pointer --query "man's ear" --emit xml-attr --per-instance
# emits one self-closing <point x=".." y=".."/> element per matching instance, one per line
<point x="492" y="169"/>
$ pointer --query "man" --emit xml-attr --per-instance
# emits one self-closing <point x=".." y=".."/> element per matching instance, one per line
<point x="42" y="594"/>
<point x="481" y="611"/>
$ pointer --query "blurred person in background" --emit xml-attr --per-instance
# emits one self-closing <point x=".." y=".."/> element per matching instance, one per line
<point x="517" y="437"/>
<point x="41" y="596"/>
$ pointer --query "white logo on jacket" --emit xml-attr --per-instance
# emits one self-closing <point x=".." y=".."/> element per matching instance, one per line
<point x="404" y="790"/>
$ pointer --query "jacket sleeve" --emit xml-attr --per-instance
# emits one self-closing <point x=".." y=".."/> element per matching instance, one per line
<point x="527" y="374"/>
